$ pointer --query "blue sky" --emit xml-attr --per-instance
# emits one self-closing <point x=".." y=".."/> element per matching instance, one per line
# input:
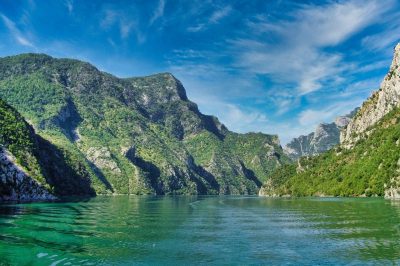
<point x="277" y="67"/>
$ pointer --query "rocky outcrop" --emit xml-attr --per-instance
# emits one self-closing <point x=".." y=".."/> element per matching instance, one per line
<point x="392" y="190"/>
<point x="102" y="158"/>
<point x="16" y="184"/>
<point x="377" y="106"/>
<point x="322" y="139"/>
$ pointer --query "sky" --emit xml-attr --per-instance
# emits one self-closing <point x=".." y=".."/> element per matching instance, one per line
<point x="278" y="67"/>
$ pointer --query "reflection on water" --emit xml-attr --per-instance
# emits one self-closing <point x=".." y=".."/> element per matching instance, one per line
<point x="201" y="230"/>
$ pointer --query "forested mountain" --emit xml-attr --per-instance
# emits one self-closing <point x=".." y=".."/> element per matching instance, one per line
<point x="127" y="136"/>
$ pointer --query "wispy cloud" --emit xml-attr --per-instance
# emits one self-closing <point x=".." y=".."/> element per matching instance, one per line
<point x="15" y="32"/>
<point x="158" y="12"/>
<point x="69" y="5"/>
<point x="220" y="14"/>
<point x="125" y="28"/>
<point x="215" y="18"/>
<point x="311" y="117"/>
<point x="237" y="118"/>
<point x="126" y="24"/>
<point x="298" y="54"/>
<point x="385" y="39"/>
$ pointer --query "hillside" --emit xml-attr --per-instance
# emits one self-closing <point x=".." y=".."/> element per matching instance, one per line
<point x="366" y="163"/>
<point x="131" y="136"/>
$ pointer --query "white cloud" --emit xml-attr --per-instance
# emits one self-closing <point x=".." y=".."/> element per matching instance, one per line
<point x="298" y="53"/>
<point x="383" y="41"/>
<point x="220" y="14"/>
<point x="196" y="28"/>
<point x="110" y="17"/>
<point x="126" y="25"/>
<point x="235" y="117"/>
<point x="158" y="13"/>
<point x="215" y="18"/>
<point x="312" y="117"/>
<point x="125" y="28"/>
<point x="70" y="5"/>
<point x="373" y="66"/>
<point x="15" y="32"/>
<point x="187" y="54"/>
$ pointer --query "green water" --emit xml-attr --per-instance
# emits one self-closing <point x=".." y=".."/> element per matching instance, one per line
<point x="201" y="230"/>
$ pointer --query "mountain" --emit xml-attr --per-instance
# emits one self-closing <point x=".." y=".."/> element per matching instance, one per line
<point x="321" y="140"/>
<point x="366" y="163"/>
<point x="99" y="134"/>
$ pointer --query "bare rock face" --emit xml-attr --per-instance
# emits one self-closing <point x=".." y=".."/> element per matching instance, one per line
<point x="16" y="185"/>
<point x="392" y="190"/>
<point x="342" y="121"/>
<point x="378" y="105"/>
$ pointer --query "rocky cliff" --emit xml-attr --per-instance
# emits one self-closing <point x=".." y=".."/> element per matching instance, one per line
<point x="16" y="184"/>
<point x="321" y="140"/>
<point x="101" y="134"/>
<point x="377" y="106"/>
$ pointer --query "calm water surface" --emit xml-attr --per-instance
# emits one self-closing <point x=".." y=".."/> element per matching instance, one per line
<point x="201" y="230"/>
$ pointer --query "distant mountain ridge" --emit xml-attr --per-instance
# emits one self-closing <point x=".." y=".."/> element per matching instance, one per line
<point x="321" y="140"/>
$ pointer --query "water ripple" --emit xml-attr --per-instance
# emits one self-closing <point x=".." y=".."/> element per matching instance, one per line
<point x="201" y="230"/>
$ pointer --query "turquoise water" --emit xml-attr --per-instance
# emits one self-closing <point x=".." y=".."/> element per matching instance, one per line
<point x="201" y="230"/>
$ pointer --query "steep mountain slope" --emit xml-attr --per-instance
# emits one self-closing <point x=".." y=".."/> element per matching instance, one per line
<point x="366" y="163"/>
<point x="136" y="135"/>
<point x="321" y="140"/>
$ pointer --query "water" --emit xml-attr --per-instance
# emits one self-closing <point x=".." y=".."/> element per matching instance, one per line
<point x="201" y="230"/>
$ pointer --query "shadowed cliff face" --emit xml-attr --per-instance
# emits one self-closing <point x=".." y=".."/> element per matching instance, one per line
<point x="130" y="136"/>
